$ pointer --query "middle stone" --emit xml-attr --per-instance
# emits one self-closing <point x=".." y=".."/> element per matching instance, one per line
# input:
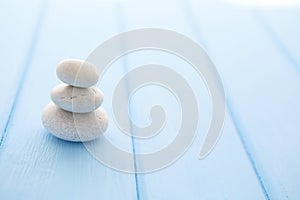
<point x="78" y="100"/>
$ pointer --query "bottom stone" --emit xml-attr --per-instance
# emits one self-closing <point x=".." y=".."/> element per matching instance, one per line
<point x="74" y="127"/>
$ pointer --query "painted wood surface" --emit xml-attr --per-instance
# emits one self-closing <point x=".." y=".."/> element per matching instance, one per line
<point x="228" y="166"/>
<point x="34" y="164"/>
<point x="263" y="88"/>
<point x="18" y="35"/>
<point x="255" y="51"/>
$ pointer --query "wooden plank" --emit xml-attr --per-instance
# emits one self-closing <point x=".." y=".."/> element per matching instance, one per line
<point x="227" y="172"/>
<point x="282" y="26"/>
<point x="262" y="92"/>
<point x="36" y="165"/>
<point x="18" y="22"/>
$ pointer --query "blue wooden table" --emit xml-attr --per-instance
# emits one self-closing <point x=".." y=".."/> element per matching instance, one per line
<point x="256" y="49"/>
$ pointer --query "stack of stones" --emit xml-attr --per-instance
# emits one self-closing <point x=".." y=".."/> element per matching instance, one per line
<point x="75" y="114"/>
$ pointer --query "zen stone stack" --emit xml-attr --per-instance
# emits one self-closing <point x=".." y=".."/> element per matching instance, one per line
<point x="75" y="113"/>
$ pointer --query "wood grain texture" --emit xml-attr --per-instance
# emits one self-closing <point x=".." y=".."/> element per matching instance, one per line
<point x="281" y="25"/>
<point x="256" y="52"/>
<point x="34" y="164"/>
<point x="262" y="93"/>
<point x="18" y="23"/>
<point x="227" y="172"/>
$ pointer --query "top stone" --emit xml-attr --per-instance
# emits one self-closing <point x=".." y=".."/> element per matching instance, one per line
<point x="77" y="73"/>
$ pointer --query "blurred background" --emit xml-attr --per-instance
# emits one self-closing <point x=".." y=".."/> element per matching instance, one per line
<point x="255" y="47"/>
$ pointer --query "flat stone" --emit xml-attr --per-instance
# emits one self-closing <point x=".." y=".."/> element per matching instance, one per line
<point x="61" y="123"/>
<point x="74" y="99"/>
<point x="77" y="73"/>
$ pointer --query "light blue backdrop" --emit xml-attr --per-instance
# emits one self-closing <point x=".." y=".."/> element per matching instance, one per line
<point x="256" y="50"/>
